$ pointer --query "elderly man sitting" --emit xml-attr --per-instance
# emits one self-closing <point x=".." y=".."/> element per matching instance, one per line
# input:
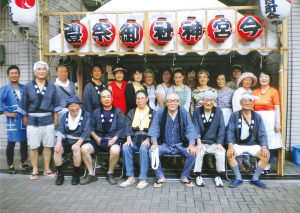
<point x="246" y="133"/>
<point x="173" y="132"/>
<point x="74" y="128"/>
<point x="209" y="124"/>
<point x="107" y="127"/>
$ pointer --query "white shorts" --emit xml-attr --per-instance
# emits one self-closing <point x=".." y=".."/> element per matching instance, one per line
<point x="40" y="134"/>
<point x="252" y="150"/>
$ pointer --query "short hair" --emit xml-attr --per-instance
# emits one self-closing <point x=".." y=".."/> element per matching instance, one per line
<point x="12" y="67"/>
<point x="266" y="73"/>
<point x="97" y="65"/>
<point x="221" y="73"/>
<point x="203" y="71"/>
<point x="106" y="90"/>
<point x="136" y="69"/>
<point x="178" y="71"/>
<point x="172" y="93"/>
<point x="141" y="91"/>
<point x="42" y="63"/>
<point x="61" y="65"/>
<point x="149" y="71"/>
<point x="190" y="69"/>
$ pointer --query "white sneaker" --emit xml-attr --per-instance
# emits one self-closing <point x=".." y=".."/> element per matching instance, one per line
<point x="218" y="181"/>
<point x="199" y="181"/>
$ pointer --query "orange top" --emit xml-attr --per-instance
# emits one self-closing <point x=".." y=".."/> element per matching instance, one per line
<point x="266" y="101"/>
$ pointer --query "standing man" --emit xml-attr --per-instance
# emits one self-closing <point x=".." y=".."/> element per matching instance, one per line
<point x="39" y="106"/>
<point x="173" y="132"/>
<point x="246" y="133"/>
<point x="92" y="91"/>
<point x="209" y="124"/>
<point x="65" y="88"/>
<point x="10" y="96"/>
<point x="107" y="127"/>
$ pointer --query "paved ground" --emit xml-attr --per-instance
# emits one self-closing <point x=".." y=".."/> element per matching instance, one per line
<point x="19" y="194"/>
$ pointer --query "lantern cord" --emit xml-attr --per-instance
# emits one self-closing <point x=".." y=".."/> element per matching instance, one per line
<point x="103" y="15"/>
<point x="118" y="59"/>
<point x="163" y="15"/>
<point x="174" y="59"/>
<point x="131" y="14"/>
<point x="145" y="58"/>
<point x="202" y="61"/>
<point x="261" y="61"/>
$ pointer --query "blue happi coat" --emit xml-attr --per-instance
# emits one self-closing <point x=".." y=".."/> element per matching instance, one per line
<point x="9" y="102"/>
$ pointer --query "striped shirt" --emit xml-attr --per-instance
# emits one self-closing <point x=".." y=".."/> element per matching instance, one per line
<point x="225" y="97"/>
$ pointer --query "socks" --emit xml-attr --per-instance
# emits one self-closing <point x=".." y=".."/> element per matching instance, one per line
<point x="236" y="172"/>
<point x="267" y="167"/>
<point x="76" y="170"/>
<point x="218" y="174"/>
<point x="109" y="172"/>
<point x="198" y="174"/>
<point x="257" y="173"/>
<point x="59" y="169"/>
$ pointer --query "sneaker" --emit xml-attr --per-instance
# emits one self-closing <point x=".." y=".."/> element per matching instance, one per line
<point x="241" y="167"/>
<point x="88" y="179"/>
<point x="259" y="184"/>
<point x="248" y="165"/>
<point x="60" y="179"/>
<point x="235" y="183"/>
<point x="111" y="179"/>
<point x="218" y="181"/>
<point x="11" y="169"/>
<point x="25" y="166"/>
<point x="199" y="181"/>
<point x="75" y="179"/>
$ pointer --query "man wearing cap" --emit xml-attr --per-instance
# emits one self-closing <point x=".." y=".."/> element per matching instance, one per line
<point x="92" y="91"/>
<point x="39" y="106"/>
<point x="65" y="88"/>
<point x="172" y="132"/>
<point x="246" y="133"/>
<point x="118" y="89"/>
<point x="74" y="129"/>
<point x="107" y="127"/>
<point x="209" y="124"/>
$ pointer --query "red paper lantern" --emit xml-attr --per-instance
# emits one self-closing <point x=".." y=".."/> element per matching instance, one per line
<point x="250" y="27"/>
<point x="76" y="33"/>
<point x="131" y="33"/>
<point x="191" y="30"/>
<point x="219" y="28"/>
<point x="161" y="31"/>
<point x="104" y="32"/>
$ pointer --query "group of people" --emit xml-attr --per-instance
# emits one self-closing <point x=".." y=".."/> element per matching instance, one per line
<point x="127" y="117"/>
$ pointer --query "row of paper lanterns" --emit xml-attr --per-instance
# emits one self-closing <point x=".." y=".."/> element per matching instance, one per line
<point x="162" y="31"/>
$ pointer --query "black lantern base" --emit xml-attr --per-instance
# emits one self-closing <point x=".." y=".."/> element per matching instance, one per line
<point x="249" y="40"/>
<point x="161" y="44"/>
<point x="103" y="45"/>
<point x="76" y="46"/>
<point x="191" y="44"/>
<point x="130" y="47"/>
<point x="220" y="42"/>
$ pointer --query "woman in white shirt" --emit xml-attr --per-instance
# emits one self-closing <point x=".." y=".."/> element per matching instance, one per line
<point x="161" y="89"/>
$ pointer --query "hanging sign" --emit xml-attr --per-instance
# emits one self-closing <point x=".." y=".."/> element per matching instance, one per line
<point x="22" y="12"/>
<point x="161" y="31"/>
<point x="76" y="34"/>
<point x="275" y="9"/>
<point x="250" y="27"/>
<point x="104" y="32"/>
<point x="191" y="30"/>
<point x="219" y="28"/>
<point x="131" y="33"/>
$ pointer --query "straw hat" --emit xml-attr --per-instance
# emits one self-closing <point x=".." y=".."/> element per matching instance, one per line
<point x="246" y="75"/>
<point x="119" y="69"/>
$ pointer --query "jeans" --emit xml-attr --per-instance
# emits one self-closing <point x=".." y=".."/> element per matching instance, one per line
<point x="127" y="152"/>
<point x="10" y="150"/>
<point x="189" y="163"/>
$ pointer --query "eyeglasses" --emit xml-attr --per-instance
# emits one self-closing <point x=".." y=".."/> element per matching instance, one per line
<point x="246" y="100"/>
<point x="208" y="100"/>
<point x="172" y="101"/>
<point x="141" y="99"/>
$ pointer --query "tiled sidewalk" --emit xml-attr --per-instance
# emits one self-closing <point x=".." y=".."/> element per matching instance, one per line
<point x="19" y="194"/>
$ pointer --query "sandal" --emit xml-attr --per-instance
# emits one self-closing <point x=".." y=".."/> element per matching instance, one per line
<point x="142" y="185"/>
<point x="125" y="184"/>
<point x="50" y="174"/>
<point x="187" y="184"/>
<point x="33" y="176"/>
<point x="158" y="184"/>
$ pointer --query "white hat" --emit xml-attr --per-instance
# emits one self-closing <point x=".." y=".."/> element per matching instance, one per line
<point x="246" y="75"/>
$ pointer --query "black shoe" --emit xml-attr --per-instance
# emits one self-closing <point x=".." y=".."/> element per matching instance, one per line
<point x="60" y="179"/>
<point x="25" y="166"/>
<point x="111" y="179"/>
<point x="11" y="169"/>
<point x="88" y="179"/>
<point x="267" y="171"/>
<point x="75" y="179"/>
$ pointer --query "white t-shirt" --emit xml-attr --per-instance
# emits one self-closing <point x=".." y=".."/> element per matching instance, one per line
<point x="162" y="89"/>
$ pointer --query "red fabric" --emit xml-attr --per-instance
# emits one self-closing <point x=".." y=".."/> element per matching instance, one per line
<point x="266" y="101"/>
<point x="119" y="96"/>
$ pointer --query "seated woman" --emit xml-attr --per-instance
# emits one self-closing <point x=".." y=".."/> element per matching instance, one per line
<point x="148" y="82"/>
<point x="183" y="91"/>
<point x="161" y="89"/>
<point x="138" y="122"/>
<point x="133" y="87"/>
<point x="74" y="128"/>
<point x="197" y="93"/>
